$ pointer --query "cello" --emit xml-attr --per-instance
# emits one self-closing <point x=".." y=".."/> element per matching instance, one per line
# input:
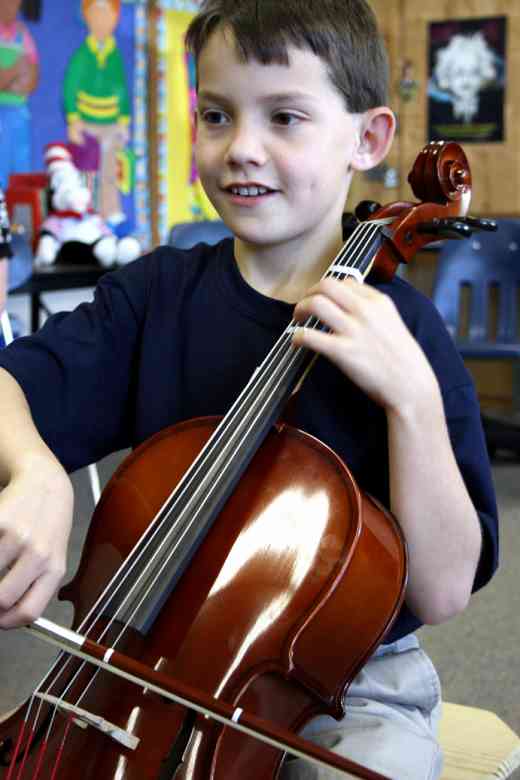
<point x="227" y="568"/>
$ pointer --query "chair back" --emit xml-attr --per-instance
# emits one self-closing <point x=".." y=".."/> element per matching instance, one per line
<point x="187" y="234"/>
<point x="481" y="276"/>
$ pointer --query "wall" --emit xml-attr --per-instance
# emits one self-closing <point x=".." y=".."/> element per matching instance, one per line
<point x="57" y="35"/>
<point x="495" y="167"/>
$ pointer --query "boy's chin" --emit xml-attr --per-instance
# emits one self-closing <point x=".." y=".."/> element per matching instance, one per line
<point x="260" y="239"/>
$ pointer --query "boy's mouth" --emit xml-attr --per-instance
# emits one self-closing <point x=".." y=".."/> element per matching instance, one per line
<point x="249" y="190"/>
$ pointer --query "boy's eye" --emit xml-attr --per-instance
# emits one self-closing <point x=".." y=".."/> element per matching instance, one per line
<point x="286" y="118"/>
<point x="213" y="116"/>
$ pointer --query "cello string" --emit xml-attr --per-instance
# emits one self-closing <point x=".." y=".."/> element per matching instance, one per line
<point x="337" y="262"/>
<point x="186" y="508"/>
<point x="339" y="259"/>
<point x="218" y="444"/>
<point x="144" y="595"/>
<point x="157" y="576"/>
<point x="365" y="226"/>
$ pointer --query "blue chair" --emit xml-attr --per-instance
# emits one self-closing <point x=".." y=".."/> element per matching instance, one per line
<point x="20" y="265"/>
<point x="187" y="234"/>
<point x="19" y="269"/>
<point x="480" y="278"/>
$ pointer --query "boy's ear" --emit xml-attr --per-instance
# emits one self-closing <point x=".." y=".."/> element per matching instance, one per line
<point x="376" y="133"/>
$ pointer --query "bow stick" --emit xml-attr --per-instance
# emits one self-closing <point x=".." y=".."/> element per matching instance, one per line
<point x="123" y="666"/>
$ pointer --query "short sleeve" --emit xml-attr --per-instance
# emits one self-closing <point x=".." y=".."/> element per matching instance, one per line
<point x="462" y="410"/>
<point x="468" y="442"/>
<point x="78" y="371"/>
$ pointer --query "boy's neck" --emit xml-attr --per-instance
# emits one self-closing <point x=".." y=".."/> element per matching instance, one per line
<point x="285" y="272"/>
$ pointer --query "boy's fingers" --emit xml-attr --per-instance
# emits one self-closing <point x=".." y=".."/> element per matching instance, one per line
<point x="14" y="584"/>
<point x="28" y="569"/>
<point x="11" y="548"/>
<point x="325" y="309"/>
<point x="348" y="293"/>
<point x="325" y="344"/>
<point x="31" y="605"/>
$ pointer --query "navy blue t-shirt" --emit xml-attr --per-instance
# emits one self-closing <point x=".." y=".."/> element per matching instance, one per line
<point x="177" y="334"/>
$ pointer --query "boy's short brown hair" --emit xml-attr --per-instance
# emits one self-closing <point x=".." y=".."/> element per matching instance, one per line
<point x="343" y="33"/>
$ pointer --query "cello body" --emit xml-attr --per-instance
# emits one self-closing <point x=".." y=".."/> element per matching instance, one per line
<point x="289" y="591"/>
<point x="254" y="623"/>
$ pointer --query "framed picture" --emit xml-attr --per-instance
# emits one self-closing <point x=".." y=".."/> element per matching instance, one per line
<point x="467" y="80"/>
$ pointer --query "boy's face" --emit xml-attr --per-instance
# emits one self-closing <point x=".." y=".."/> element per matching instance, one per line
<point x="101" y="19"/>
<point x="281" y="128"/>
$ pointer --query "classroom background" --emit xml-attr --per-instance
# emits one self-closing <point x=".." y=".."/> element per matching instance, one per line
<point x="477" y="654"/>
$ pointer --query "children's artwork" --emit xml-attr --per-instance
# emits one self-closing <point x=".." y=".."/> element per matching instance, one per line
<point x="19" y="70"/>
<point x="181" y="196"/>
<point x="60" y="33"/>
<point x="97" y="104"/>
<point x="467" y="72"/>
<point x="72" y="230"/>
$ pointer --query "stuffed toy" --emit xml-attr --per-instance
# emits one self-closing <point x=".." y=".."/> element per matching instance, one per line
<point x="72" y="230"/>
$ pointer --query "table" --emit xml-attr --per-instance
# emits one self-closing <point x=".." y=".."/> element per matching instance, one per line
<point x="52" y="278"/>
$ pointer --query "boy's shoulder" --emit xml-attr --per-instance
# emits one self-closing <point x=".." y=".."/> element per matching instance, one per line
<point x="169" y="259"/>
<point x="167" y="267"/>
<point x="416" y="309"/>
<point x="424" y="321"/>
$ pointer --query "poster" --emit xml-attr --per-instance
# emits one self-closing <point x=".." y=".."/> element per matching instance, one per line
<point x="58" y="32"/>
<point x="181" y="197"/>
<point x="467" y="80"/>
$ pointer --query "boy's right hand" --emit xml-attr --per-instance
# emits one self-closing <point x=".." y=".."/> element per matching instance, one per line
<point x="35" y="522"/>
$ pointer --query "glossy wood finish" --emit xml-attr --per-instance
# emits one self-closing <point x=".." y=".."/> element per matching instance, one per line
<point x="289" y="593"/>
<point x="441" y="179"/>
<point x="256" y="621"/>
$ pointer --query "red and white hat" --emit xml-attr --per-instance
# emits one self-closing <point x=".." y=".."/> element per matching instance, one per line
<point x="56" y="152"/>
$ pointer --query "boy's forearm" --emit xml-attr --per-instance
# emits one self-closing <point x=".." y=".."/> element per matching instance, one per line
<point x="430" y="501"/>
<point x="21" y="446"/>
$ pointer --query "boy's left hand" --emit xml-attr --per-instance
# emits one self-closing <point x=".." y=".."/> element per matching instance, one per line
<point x="368" y="341"/>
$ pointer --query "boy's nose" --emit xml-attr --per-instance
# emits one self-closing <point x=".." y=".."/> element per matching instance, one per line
<point x="244" y="147"/>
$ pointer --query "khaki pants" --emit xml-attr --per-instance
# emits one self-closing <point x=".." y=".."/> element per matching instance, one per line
<point x="393" y="710"/>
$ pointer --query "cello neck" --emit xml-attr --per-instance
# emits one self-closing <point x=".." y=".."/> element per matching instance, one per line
<point x="165" y="551"/>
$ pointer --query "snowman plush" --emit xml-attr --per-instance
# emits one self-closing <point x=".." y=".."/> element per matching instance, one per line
<point x="71" y="218"/>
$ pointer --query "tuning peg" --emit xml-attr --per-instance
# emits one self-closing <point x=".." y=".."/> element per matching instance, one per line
<point x="476" y="223"/>
<point x="365" y="209"/>
<point x="349" y="223"/>
<point x="450" y="227"/>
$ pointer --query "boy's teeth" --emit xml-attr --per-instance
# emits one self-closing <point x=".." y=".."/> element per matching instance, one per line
<point x="249" y="191"/>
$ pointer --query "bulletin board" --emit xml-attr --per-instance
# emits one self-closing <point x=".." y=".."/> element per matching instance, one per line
<point x="58" y="33"/>
<point x="177" y="192"/>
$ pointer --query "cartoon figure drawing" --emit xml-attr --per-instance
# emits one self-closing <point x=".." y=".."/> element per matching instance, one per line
<point x="462" y="69"/>
<point x="19" y="71"/>
<point x="71" y="218"/>
<point x="96" y="99"/>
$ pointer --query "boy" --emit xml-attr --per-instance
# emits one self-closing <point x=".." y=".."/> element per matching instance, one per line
<point x="291" y="102"/>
